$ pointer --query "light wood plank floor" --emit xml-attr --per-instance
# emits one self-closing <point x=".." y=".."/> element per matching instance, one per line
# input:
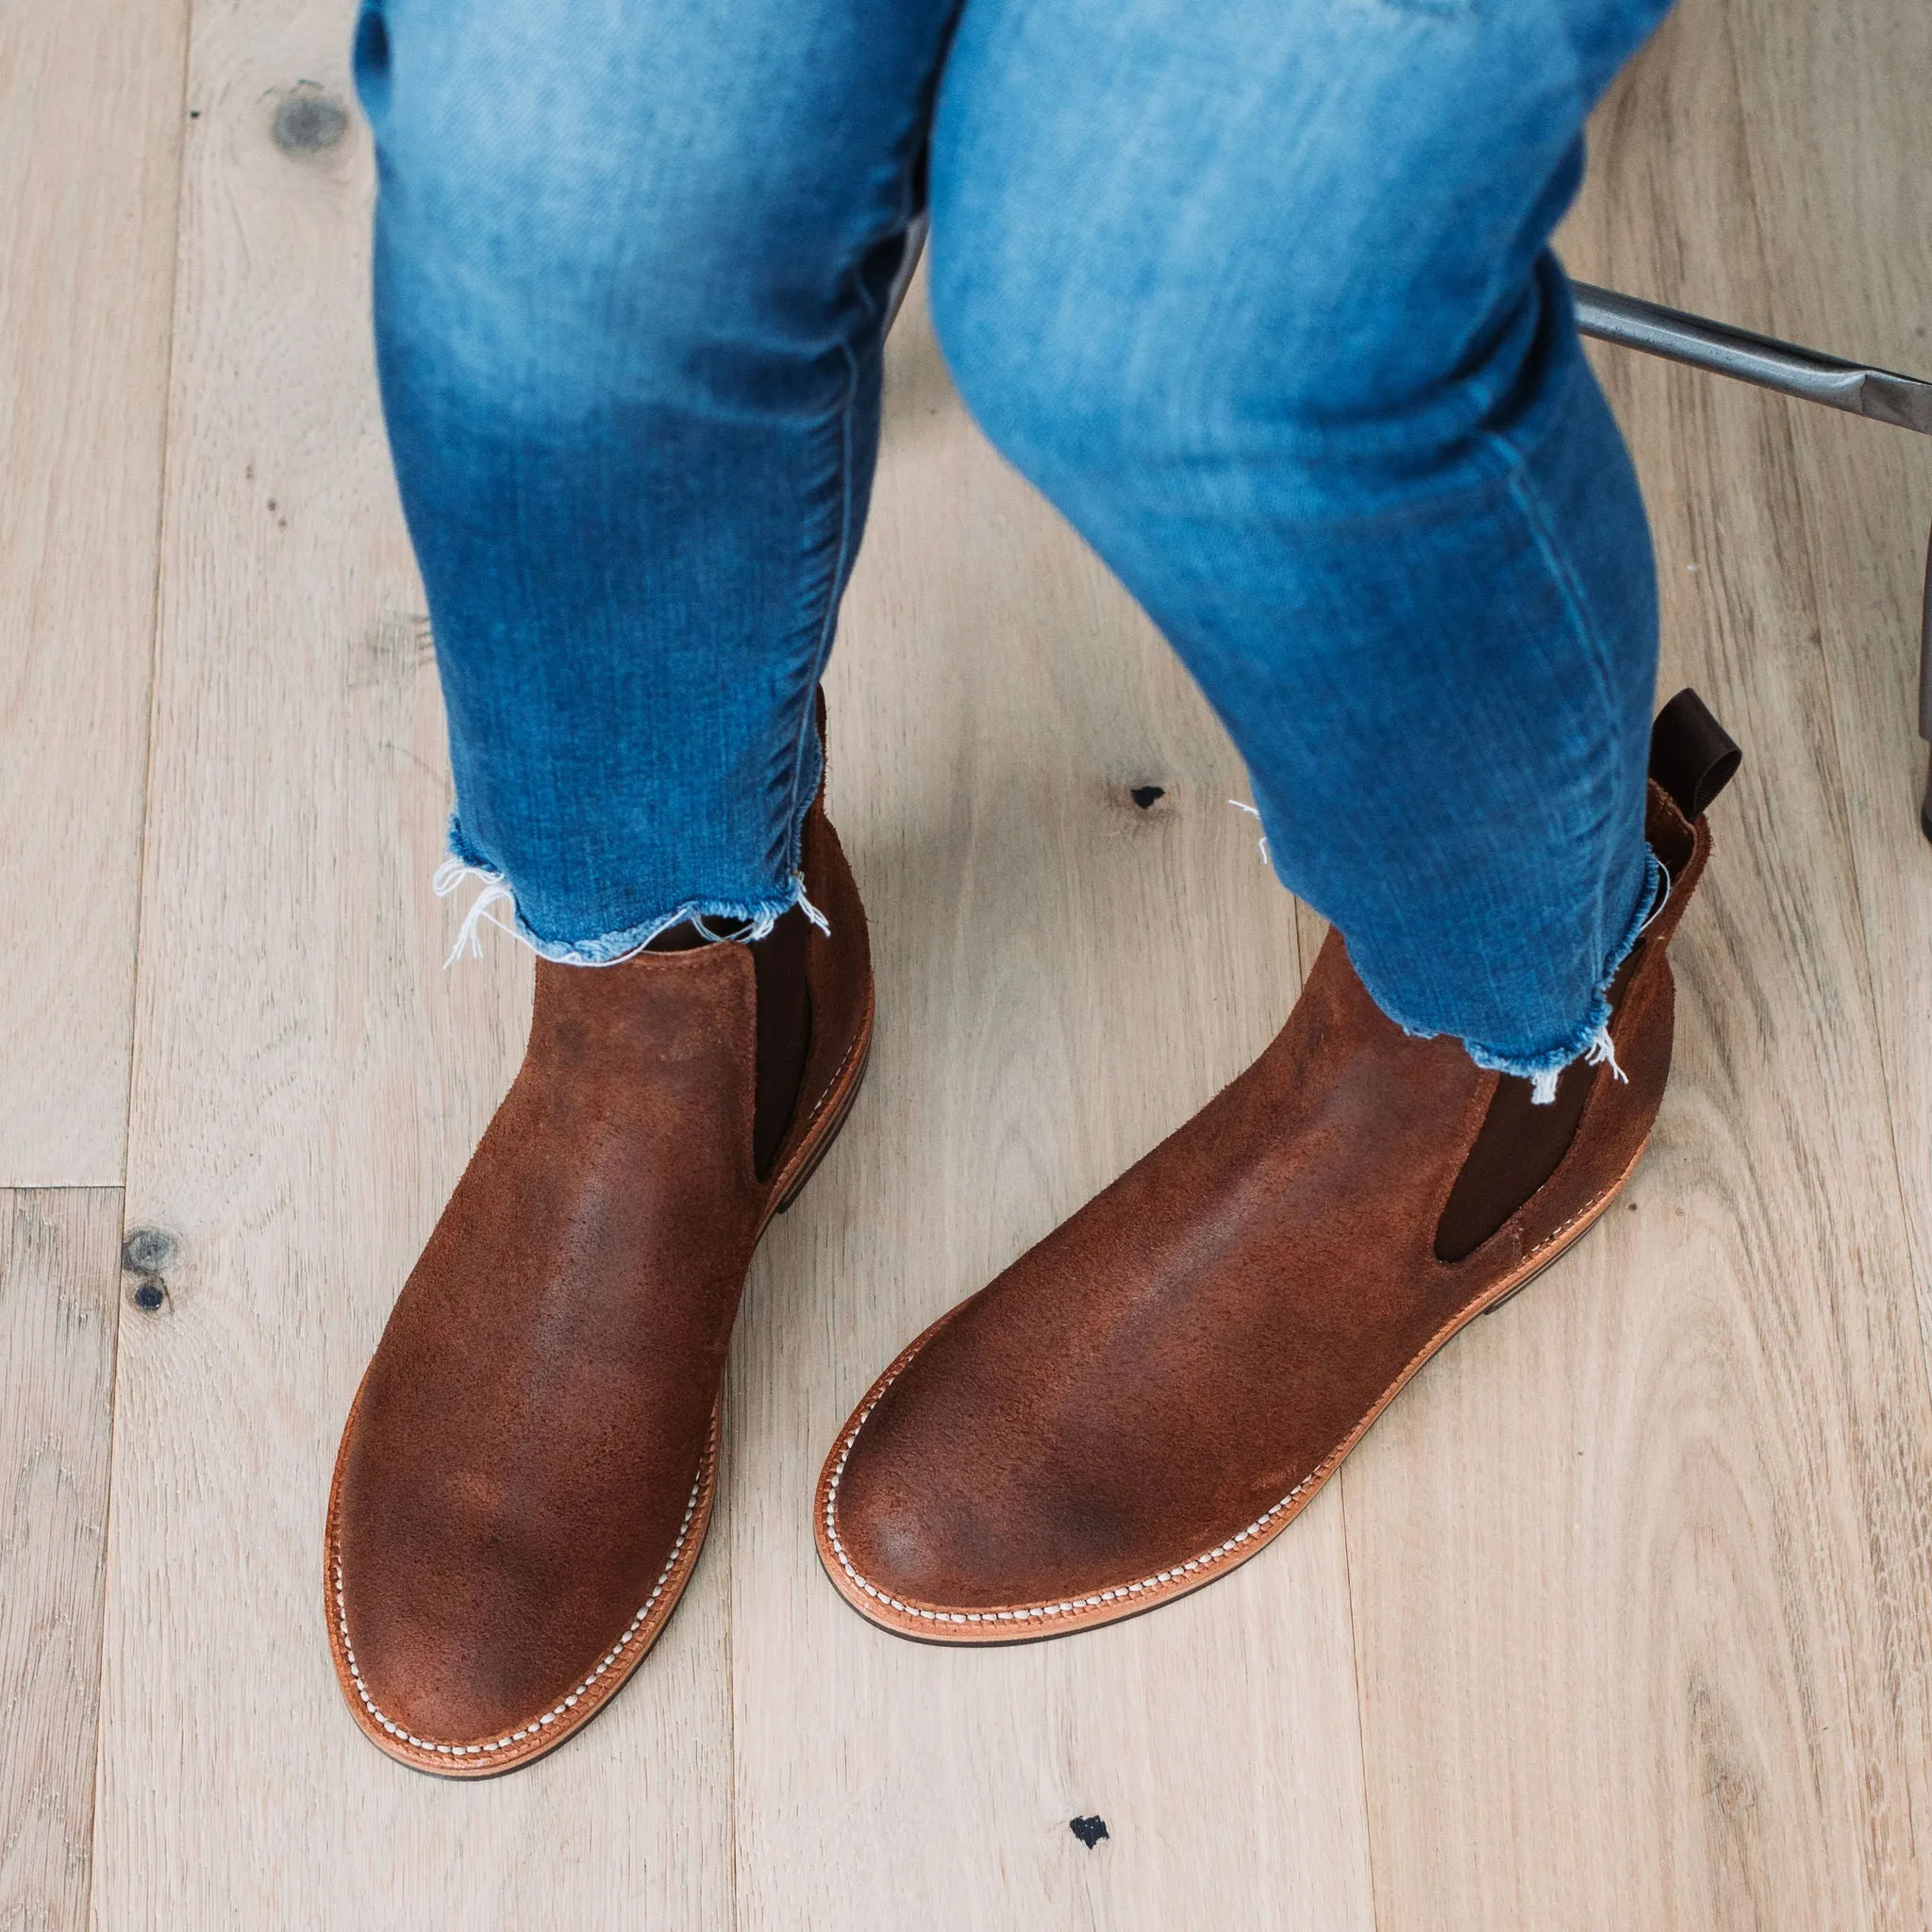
<point x="1622" y="1617"/>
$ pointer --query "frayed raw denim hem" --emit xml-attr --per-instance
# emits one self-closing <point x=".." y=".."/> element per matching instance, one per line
<point x="1591" y="1042"/>
<point x="752" y="918"/>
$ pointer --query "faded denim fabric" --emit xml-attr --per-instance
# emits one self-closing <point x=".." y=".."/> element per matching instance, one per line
<point x="1258" y="292"/>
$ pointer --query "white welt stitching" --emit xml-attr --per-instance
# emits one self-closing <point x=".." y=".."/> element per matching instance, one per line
<point x="549" y="1717"/>
<point x="1160" y="1580"/>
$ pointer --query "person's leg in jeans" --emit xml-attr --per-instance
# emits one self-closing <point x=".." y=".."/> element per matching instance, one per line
<point x="1260" y="295"/>
<point x="631" y="262"/>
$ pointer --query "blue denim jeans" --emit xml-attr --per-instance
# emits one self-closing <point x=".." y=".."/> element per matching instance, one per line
<point x="1258" y="292"/>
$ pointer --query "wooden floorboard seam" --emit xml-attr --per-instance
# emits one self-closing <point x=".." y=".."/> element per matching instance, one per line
<point x="93" y="1870"/>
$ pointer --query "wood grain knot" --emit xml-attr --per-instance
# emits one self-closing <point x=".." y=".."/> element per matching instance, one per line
<point x="309" y="120"/>
<point x="149" y="1251"/>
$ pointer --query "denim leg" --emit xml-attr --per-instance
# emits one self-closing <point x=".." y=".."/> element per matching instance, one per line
<point x="630" y="257"/>
<point x="1260" y="295"/>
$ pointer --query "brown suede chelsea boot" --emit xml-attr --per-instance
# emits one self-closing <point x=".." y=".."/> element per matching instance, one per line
<point x="1155" y="1391"/>
<point x="527" y="1471"/>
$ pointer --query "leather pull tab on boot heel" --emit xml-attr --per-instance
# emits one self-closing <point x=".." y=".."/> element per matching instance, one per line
<point x="1692" y="756"/>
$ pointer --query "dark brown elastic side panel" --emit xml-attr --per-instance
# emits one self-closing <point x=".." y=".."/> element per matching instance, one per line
<point x="1519" y="1147"/>
<point x="784" y="1034"/>
<point x="1692" y="756"/>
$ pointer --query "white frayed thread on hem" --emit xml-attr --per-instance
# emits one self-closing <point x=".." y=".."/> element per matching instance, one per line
<point x="1656" y="911"/>
<point x="810" y="912"/>
<point x="449" y="876"/>
<point x="1601" y="1051"/>
<point x="1254" y="812"/>
<point x="454" y="871"/>
<point x="750" y="930"/>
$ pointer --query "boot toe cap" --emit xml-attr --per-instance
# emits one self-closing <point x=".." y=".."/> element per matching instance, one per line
<point x="464" y="1648"/>
<point x="942" y="1518"/>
